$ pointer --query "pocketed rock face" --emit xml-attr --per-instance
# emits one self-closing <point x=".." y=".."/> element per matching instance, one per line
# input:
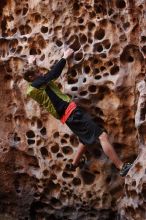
<point x="106" y="76"/>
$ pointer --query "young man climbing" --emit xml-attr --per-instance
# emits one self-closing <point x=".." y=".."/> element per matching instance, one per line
<point x="43" y="90"/>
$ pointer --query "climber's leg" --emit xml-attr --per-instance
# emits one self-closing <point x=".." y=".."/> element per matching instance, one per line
<point x="109" y="150"/>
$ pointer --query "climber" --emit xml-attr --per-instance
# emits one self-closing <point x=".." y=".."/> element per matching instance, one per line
<point x="43" y="90"/>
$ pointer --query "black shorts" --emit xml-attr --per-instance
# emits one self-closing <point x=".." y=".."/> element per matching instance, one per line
<point x="81" y="123"/>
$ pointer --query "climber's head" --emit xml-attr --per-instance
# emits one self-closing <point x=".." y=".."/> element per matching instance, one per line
<point x="31" y="74"/>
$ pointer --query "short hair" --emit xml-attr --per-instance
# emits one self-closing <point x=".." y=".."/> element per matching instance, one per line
<point x="29" y="72"/>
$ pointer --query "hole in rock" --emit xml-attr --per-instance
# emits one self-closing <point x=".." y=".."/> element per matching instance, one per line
<point x="39" y="142"/>
<point x="95" y="61"/>
<point x="89" y="194"/>
<point x="106" y="44"/>
<point x="19" y="49"/>
<point x="66" y="136"/>
<point x="109" y="63"/>
<point x="25" y="10"/>
<point x="110" y="11"/>
<point x="120" y="4"/>
<point x="76" y="6"/>
<point x="144" y="191"/>
<point x="30" y="134"/>
<point x="44" y="151"/>
<point x="63" y="141"/>
<point x="114" y="70"/>
<point x="80" y="20"/>
<point x="57" y="28"/>
<point x="73" y="73"/>
<point x="83" y="93"/>
<point x="99" y="34"/>
<point x="44" y="29"/>
<point x="37" y="17"/>
<point x="75" y="45"/>
<point x="143" y="38"/>
<point x="8" y="77"/>
<point x="98" y="111"/>
<point x="18" y="11"/>
<point x="76" y="181"/>
<point x="133" y="183"/>
<point x="98" y="8"/>
<point x="59" y="155"/>
<point x="67" y="150"/>
<point x="91" y="26"/>
<point x="56" y="134"/>
<point x="25" y="29"/>
<point x="72" y="81"/>
<point x="103" y="55"/>
<point x="13" y="43"/>
<point x="5" y="149"/>
<point x="96" y="70"/>
<point x="126" y="25"/>
<point x="18" y="191"/>
<point x="108" y="179"/>
<point x="98" y="47"/>
<point x="97" y="77"/>
<point x="33" y="51"/>
<point x="90" y="40"/>
<point x="55" y="202"/>
<point x="84" y="80"/>
<point x="131" y="52"/>
<point x="144" y="49"/>
<point x="59" y="43"/>
<point x="42" y="57"/>
<point x="83" y="38"/>
<point x="43" y="131"/>
<point x="92" y="14"/>
<point x="67" y="175"/>
<point x="46" y="172"/>
<point x="74" y="88"/>
<point x="78" y="56"/>
<point x="87" y="69"/>
<point x="55" y="148"/>
<point x="88" y="177"/>
<point x="16" y="138"/>
<point x="30" y="141"/>
<point x="92" y="88"/>
<point x="130" y="59"/>
<point x="102" y="68"/>
<point x="74" y="141"/>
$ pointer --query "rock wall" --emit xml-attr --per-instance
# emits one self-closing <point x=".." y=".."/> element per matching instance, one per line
<point x="106" y="76"/>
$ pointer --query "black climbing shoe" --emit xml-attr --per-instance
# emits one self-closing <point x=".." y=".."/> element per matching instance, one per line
<point x="81" y="163"/>
<point x="126" y="167"/>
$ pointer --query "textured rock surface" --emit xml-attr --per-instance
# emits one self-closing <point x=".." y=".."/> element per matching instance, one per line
<point x="106" y="76"/>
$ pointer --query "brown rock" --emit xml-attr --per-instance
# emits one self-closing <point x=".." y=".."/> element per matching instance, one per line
<point x="106" y="76"/>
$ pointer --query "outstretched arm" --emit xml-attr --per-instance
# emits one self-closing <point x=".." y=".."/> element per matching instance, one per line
<point x="55" y="72"/>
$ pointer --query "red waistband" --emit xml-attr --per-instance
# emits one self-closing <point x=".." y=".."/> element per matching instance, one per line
<point x="68" y="112"/>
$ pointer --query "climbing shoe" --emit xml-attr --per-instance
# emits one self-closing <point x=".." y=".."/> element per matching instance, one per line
<point x="126" y="167"/>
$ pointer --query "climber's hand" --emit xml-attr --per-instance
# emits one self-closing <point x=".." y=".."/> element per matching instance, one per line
<point x="67" y="53"/>
<point x="70" y="167"/>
